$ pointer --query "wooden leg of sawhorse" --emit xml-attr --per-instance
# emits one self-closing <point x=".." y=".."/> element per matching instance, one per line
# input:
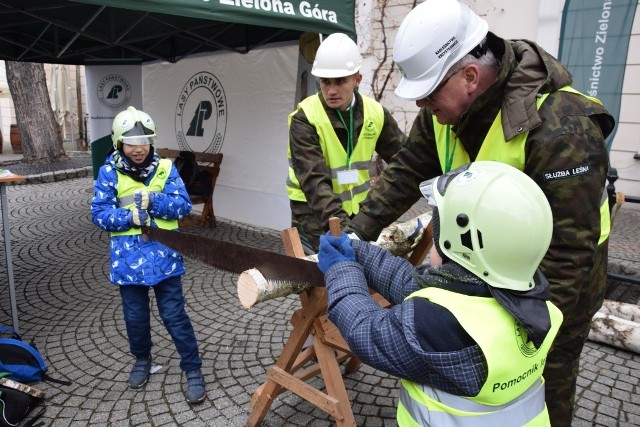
<point x="285" y="375"/>
<point x="329" y="348"/>
<point x="341" y="409"/>
<point x="282" y="376"/>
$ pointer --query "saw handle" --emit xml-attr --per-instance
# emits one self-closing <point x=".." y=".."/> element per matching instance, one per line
<point x="334" y="226"/>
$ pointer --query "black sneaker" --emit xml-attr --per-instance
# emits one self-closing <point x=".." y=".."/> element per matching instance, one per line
<point x="195" y="386"/>
<point x="140" y="372"/>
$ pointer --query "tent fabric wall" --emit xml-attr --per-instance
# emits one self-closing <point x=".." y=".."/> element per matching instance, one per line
<point x="259" y="92"/>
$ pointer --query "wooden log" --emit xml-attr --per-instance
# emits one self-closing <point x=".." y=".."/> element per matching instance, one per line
<point x="620" y="309"/>
<point x="617" y="324"/>
<point x="254" y="288"/>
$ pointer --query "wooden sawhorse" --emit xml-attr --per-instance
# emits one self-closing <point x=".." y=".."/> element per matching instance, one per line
<point x="329" y="349"/>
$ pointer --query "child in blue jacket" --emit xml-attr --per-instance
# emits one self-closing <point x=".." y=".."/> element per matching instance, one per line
<point x="135" y="187"/>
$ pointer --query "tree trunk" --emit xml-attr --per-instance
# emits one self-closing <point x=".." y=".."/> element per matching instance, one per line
<point x="34" y="115"/>
<point x="81" y="131"/>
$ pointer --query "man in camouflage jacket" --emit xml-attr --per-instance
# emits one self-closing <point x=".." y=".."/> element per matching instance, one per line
<point x="565" y="154"/>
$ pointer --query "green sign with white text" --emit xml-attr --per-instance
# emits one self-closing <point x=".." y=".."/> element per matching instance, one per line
<point x="320" y="16"/>
<point x="594" y="41"/>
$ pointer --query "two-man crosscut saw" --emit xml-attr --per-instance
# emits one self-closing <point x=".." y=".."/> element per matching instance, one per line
<point x="238" y="258"/>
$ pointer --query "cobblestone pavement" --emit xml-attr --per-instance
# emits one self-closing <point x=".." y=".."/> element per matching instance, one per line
<point x="67" y="306"/>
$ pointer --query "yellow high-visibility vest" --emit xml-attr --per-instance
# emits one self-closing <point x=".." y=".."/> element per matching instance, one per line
<point x="127" y="186"/>
<point x="513" y="393"/>
<point x="335" y="155"/>
<point x="495" y="147"/>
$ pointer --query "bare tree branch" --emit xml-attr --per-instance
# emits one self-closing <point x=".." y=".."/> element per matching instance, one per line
<point x="379" y="84"/>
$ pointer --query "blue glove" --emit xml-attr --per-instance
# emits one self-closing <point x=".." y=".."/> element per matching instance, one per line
<point x="333" y="250"/>
<point x="143" y="199"/>
<point x="138" y="217"/>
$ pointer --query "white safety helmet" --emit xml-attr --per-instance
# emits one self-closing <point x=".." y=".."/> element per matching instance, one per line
<point x="337" y="56"/>
<point x="133" y="127"/>
<point x="493" y="220"/>
<point x="433" y="37"/>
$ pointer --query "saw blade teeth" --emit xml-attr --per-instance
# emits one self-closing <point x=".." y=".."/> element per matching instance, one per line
<point x="237" y="258"/>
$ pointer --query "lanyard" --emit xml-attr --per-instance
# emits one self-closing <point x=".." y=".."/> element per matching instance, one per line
<point x="349" y="134"/>
<point x="448" y="160"/>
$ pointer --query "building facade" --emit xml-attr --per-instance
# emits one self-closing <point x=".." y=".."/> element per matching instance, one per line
<point x="538" y="20"/>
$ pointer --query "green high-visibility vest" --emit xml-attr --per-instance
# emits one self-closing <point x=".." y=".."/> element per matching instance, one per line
<point x="335" y="155"/>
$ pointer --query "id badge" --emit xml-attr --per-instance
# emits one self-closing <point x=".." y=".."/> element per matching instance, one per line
<point x="348" y="177"/>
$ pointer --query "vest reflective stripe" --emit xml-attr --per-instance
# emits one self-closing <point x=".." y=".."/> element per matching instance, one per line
<point x="129" y="200"/>
<point x="495" y="147"/>
<point x="335" y="155"/>
<point x="528" y="409"/>
<point x="513" y="371"/>
<point x="127" y="186"/>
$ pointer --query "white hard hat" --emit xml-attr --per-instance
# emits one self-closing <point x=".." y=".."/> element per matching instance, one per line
<point x="494" y="220"/>
<point x="434" y="36"/>
<point x="337" y="56"/>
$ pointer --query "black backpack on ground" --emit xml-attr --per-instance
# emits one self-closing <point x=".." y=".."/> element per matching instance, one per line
<point x="17" y="401"/>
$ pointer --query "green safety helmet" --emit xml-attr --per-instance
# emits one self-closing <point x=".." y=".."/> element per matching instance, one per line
<point x="493" y="220"/>
<point x="133" y="127"/>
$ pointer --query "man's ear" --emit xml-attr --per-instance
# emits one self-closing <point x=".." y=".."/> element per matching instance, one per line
<point x="471" y="75"/>
<point x="358" y="77"/>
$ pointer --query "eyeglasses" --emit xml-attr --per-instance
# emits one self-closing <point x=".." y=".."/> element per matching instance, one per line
<point x="442" y="84"/>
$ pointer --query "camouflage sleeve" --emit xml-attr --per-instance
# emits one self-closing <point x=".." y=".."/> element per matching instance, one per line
<point x="391" y="139"/>
<point x="308" y="162"/>
<point x="568" y="158"/>
<point x="397" y="188"/>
